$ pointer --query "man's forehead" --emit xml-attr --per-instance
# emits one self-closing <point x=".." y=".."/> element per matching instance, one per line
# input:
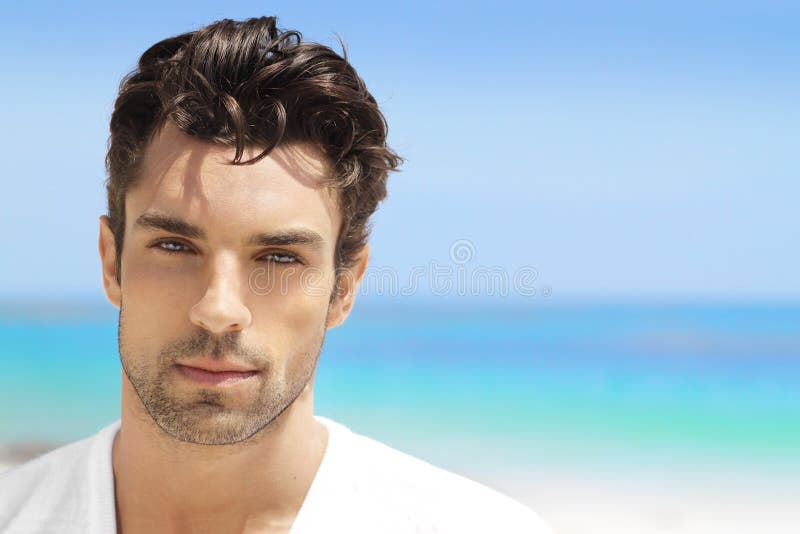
<point x="171" y="148"/>
<point x="181" y="173"/>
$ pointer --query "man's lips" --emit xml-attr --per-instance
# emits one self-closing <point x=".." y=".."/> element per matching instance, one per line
<point x="228" y="374"/>
<point x="216" y="366"/>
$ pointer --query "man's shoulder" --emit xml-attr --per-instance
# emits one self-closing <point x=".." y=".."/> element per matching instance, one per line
<point x="53" y="467"/>
<point x="49" y="489"/>
<point x="435" y="499"/>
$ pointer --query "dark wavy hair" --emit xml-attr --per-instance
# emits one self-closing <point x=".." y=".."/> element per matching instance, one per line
<point x="247" y="83"/>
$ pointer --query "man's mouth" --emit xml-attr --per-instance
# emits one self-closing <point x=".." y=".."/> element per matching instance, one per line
<point x="225" y="377"/>
<point x="217" y="366"/>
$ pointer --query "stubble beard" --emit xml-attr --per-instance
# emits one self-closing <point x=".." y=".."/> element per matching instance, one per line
<point x="206" y="417"/>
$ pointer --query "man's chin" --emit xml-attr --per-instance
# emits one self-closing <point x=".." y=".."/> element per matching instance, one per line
<point x="208" y="424"/>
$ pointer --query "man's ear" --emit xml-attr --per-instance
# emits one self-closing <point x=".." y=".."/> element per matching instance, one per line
<point x="349" y="281"/>
<point x="108" y="261"/>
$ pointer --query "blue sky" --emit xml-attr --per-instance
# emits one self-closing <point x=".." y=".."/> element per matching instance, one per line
<point x="622" y="150"/>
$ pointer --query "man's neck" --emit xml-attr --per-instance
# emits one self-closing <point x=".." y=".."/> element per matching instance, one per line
<point x="258" y="485"/>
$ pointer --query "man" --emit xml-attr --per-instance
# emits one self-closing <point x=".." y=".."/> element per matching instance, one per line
<point x="243" y="167"/>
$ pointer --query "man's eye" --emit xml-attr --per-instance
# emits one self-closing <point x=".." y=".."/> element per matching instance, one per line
<point x="176" y="247"/>
<point x="171" y="247"/>
<point x="280" y="257"/>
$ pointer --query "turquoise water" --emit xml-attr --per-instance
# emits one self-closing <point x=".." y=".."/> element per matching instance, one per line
<point x="501" y="386"/>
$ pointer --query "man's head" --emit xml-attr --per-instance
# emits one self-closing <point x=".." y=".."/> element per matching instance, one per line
<point x="243" y="168"/>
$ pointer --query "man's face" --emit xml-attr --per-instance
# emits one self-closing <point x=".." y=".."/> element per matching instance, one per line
<point x="211" y="295"/>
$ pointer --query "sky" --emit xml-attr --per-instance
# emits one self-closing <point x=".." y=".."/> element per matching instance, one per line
<point x="617" y="150"/>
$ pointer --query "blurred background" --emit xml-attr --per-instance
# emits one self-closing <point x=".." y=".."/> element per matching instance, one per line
<point x="608" y="193"/>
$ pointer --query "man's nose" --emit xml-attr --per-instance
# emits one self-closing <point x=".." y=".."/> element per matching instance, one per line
<point x="222" y="308"/>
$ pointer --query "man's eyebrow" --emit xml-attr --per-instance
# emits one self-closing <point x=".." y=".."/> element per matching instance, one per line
<point x="168" y="223"/>
<point x="304" y="237"/>
<point x="176" y="225"/>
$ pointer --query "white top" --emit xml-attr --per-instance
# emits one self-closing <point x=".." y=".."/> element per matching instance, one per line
<point x="362" y="487"/>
